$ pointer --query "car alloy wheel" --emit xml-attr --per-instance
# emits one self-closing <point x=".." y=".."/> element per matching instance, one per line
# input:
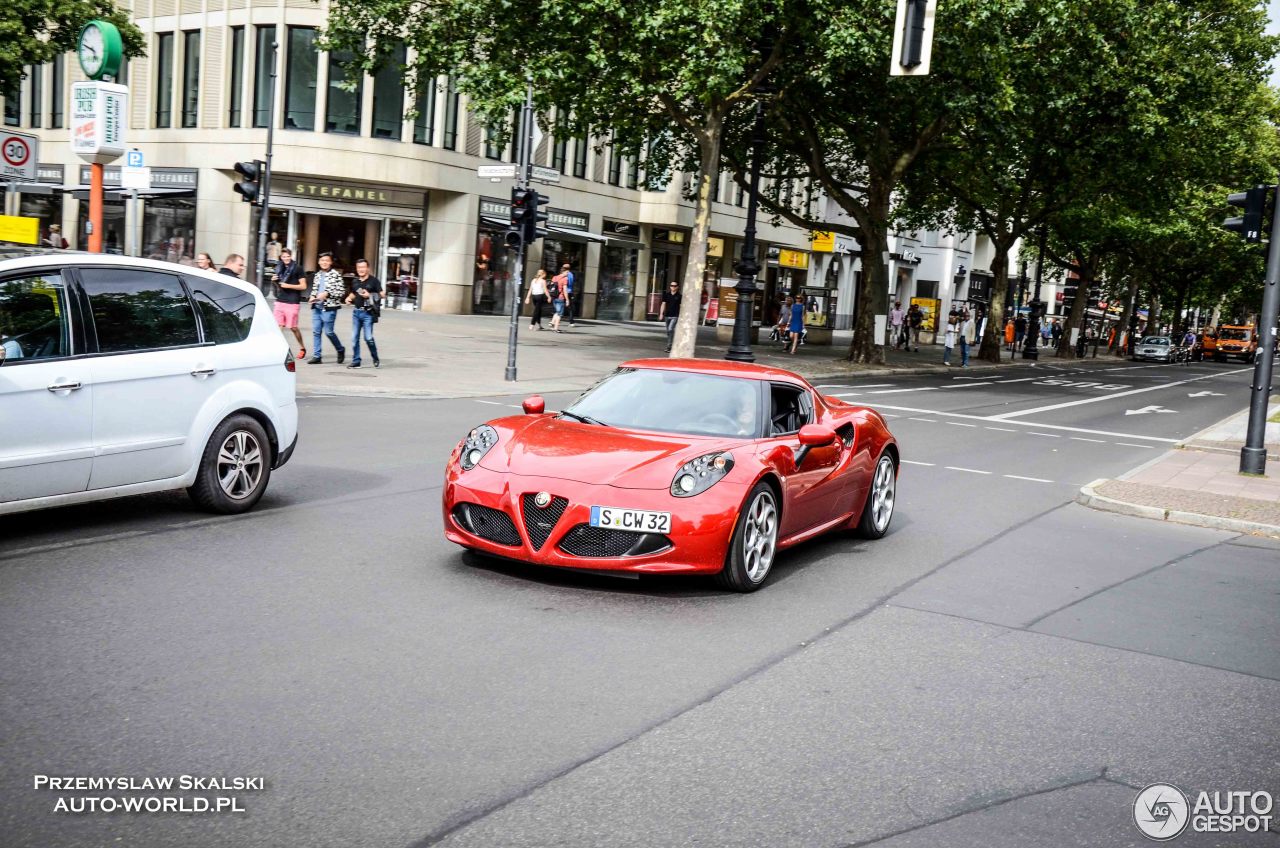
<point x="240" y="462"/>
<point x="760" y="536"/>
<point x="883" y="489"/>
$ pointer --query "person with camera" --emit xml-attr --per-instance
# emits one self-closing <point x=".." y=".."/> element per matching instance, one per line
<point x="366" y="297"/>
<point x="290" y="284"/>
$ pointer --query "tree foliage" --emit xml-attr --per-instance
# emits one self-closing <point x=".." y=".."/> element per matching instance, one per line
<point x="35" y="31"/>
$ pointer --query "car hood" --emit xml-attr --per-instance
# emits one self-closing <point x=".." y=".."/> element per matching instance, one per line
<point x="589" y="453"/>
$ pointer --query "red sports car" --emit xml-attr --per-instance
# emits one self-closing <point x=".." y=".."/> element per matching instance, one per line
<point x="673" y="466"/>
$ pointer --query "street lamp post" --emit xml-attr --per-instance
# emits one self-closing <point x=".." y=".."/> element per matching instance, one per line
<point x="1029" y="350"/>
<point x="748" y="265"/>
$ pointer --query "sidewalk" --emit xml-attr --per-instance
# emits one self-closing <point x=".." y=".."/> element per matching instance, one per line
<point x="466" y="356"/>
<point x="1198" y="483"/>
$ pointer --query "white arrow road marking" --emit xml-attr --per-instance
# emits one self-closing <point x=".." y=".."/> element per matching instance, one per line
<point x="1206" y="394"/>
<point x="1146" y="409"/>
<point x="1020" y="413"/>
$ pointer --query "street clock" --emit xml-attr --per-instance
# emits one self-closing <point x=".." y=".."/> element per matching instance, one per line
<point x="101" y="50"/>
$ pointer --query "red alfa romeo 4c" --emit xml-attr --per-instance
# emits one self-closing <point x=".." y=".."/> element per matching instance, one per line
<point x="673" y="466"/>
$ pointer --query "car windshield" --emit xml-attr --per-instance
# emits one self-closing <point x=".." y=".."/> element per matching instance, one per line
<point x="1234" y="335"/>
<point x="672" y="402"/>
<point x="1156" y="340"/>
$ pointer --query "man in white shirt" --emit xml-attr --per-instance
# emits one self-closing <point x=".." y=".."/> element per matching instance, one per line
<point x="896" y="318"/>
<point x="967" y="337"/>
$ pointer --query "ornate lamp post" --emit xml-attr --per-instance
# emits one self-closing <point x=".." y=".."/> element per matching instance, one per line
<point x="748" y="266"/>
<point x="1029" y="350"/>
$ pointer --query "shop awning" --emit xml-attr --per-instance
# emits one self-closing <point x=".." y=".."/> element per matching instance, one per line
<point x="619" y="241"/>
<point x="37" y="188"/>
<point x="81" y="192"/>
<point x="566" y="234"/>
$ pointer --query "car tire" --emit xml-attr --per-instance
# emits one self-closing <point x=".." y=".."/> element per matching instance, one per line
<point x="235" y="467"/>
<point x="877" y="513"/>
<point x="754" y="543"/>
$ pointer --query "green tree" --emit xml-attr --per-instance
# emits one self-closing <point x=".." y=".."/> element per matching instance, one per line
<point x="35" y="31"/>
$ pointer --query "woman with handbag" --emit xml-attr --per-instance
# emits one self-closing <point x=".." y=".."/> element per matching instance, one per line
<point x="538" y="295"/>
<point x="366" y="296"/>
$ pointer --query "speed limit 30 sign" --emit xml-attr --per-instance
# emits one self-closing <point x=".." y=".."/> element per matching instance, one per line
<point x="19" y="153"/>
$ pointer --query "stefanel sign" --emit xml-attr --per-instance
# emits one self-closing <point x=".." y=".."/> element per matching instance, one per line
<point x="98" y="114"/>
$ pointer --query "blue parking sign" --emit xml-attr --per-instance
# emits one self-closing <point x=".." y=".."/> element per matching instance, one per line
<point x="134" y="158"/>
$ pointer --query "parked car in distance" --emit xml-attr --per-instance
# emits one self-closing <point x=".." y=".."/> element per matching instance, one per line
<point x="1237" y="340"/>
<point x="120" y="376"/>
<point x="1155" y="349"/>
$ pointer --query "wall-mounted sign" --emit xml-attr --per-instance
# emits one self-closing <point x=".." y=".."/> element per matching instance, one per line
<point x="715" y="247"/>
<point x="793" y="258"/>
<point x="49" y="173"/>
<point x="980" y="287"/>
<point x="620" y="228"/>
<point x="668" y="236"/>
<point x="19" y="229"/>
<point x="160" y="177"/>
<point x="559" y="217"/>
<point x="336" y="191"/>
<point x="98" y="111"/>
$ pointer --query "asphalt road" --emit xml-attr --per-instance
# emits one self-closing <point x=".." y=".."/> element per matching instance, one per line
<point x="1004" y="668"/>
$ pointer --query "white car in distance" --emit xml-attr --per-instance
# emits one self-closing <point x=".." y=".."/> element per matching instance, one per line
<point x="121" y="376"/>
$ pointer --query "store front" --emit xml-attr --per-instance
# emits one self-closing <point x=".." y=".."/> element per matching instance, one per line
<point x="43" y="200"/>
<point x="168" y="214"/>
<point x="566" y="242"/>
<point x="619" y="264"/>
<point x="666" y="258"/>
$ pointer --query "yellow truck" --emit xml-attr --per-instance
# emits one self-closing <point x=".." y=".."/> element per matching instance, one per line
<point x="1236" y="340"/>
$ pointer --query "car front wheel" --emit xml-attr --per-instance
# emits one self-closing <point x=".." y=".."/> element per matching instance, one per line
<point x="754" y="542"/>
<point x="878" y="511"/>
<point x="235" y="467"/>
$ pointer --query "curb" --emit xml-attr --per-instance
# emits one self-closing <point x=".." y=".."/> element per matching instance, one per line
<point x="1089" y="497"/>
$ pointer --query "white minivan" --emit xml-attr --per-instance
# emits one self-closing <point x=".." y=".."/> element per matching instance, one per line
<point x="120" y="376"/>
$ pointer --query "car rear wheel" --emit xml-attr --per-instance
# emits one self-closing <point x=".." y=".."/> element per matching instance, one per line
<point x="754" y="542"/>
<point x="878" y="511"/>
<point x="235" y="467"/>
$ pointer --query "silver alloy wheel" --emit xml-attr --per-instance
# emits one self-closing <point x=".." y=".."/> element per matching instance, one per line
<point x="882" y="492"/>
<point x="760" y="536"/>
<point x="239" y="464"/>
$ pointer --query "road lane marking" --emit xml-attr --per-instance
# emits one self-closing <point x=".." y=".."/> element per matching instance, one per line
<point x="966" y="470"/>
<point x="490" y="402"/>
<point x="1001" y="429"/>
<point x="913" y="462"/>
<point x="1080" y="439"/>
<point x="960" y="424"/>
<point x="1019" y="414"/>
<point x="846" y="394"/>
<point x="1029" y="424"/>
<point x="896" y="391"/>
<point x="1130" y="445"/>
<point x="925" y="420"/>
<point x="1045" y="435"/>
<point x="1030" y="479"/>
<point x="968" y="385"/>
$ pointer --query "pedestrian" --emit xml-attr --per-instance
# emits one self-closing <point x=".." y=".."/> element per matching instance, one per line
<point x="233" y="267"/>
<point x="1008" y="334"/>
<point x="1057" y="333"/>
<point x="556" y="291"/>
<point x="538" y="295"/>
<point x="570" y="289"/>
<point x="915" y="321"/>
<point x="949" y="339"/>
<point x="796" y="326"/>
<point x="669" y="311"/>
<point x="1019" y="332"/>
<point x="54" y="239"/>
<point x="204" y="261"/>
<point x="967" y="330"/>
<point x="1045" y="333"/>
<point x="896" y="318"/>
<point x="290" y="285"/>
<point x="365" y="297"/>
<point x="327" y="294"/>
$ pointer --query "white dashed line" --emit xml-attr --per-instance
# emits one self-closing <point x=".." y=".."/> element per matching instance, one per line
<point x="896" y="391"/>
<point x="1029" y="479"/>
<point x="1080" y="439"/>
<point x="967" y="385"/>
<point x="490" y="402"/>
<point x="968" y="470"/>
<point x="1045" y="435"/>
<point x="925" y="420"/>
<point x="1001" y="429"/>
<point x="1131" y="445"/>
<point x="913" y="462"/>
<point x="960" y="424"/>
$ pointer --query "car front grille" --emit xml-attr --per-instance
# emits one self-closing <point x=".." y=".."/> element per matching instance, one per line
<point x="539" y="521"/>
<point x="487" y="523"/>
<point x="597" y="542"/>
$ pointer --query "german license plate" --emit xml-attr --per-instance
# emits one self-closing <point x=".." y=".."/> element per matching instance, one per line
<point x="635" y="520"/>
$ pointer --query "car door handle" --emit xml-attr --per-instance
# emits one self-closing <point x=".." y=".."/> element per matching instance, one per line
<point x="64" y="387"/>
<point x="204" y="372"/>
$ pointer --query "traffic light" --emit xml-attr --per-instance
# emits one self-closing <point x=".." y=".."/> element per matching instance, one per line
<point x="250" y="184"/>
<point x="1253" y="202"/>
<point x="532" y="232"/>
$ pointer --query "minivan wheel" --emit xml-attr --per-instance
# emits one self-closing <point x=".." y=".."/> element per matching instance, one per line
<point x="235" y="467"/>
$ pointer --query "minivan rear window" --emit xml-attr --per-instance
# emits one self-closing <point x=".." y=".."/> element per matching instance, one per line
<point x="135" y="309"/>
<point x="225" y="311"/>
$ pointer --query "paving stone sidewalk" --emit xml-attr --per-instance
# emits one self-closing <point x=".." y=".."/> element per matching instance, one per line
<point x="1199" y="483"/>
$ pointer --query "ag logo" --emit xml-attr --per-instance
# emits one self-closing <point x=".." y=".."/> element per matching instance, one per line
<point x="1161" y="811"/>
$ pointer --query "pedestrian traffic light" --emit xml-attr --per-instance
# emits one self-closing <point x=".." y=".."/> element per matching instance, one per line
<point x="1253" y="202"/>
<point x="532" y="232"/>
<point x="249" y="185"/>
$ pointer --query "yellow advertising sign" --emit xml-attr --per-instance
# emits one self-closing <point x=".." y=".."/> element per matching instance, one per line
<point x="793" y="259"/>
<point x="822" y="242"/>
<point x="931" y="308"/>
<point x="19" y="229"/>
<point x="715" y="247"/>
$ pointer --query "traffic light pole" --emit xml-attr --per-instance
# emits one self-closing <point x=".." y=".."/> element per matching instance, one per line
<point x="1253" y="456"/>
<point x="524" y="176"/>
<point x="264" y="210"/>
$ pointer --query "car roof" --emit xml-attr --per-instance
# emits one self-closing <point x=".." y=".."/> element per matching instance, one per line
<point x="718" y="368"/>
<point x="63" y="258"/>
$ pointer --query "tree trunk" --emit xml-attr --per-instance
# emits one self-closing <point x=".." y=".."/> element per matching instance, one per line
<point x="1084" y="286"/>
<point x="1130" y="304"/>
<point x="685" y="342"/>
<point x="993" y="338"/>
<point x="865" y="347"/>
<point x="1179" y="301"/>
<point x="1153" y="315"/>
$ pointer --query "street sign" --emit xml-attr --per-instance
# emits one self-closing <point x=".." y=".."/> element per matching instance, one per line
<point x="98" y="116"/>
<point x="545" y="175"/>
<point x="19" y="153"/>
<point x="496" y="171"/>
<point x="138" y="178"/>
<point x="133" y="159"/>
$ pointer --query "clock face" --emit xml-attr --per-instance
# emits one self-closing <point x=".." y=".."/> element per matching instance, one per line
<point x="92" y="51"/>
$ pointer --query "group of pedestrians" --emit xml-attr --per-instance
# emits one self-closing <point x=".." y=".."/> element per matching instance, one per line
<point x="558" y="291"/>
<point x="906" y="326"/>
<point x="1015" y="333"/>
<point x="961" y="330"/>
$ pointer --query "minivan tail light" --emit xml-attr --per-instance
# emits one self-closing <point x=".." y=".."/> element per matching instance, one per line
<point x="290" y="364"/>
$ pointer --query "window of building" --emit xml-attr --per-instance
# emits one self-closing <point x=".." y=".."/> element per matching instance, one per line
<point x="164" y="79"/>
<point x="236" y="98"/>
<point x="13" y="103"/>
<point x="169" y="230"/>
<point x="36" y="75"/>
<point x="56" y="93"/>
<point x="190" y="79"/>
<point x="580" y="158"/>
<point x="559" y="150"/>
<point x="450" y="141"/>
<point x="342" y="109"/>
<point x="491" y="148"/>
<point x="300" y="87"/>
<point x="388" y="96"/>
<point x="138" y="310"/>
<point x="424" y="122"/>
<point x="263" y="53"/>
<point x="633" y="172"/>
<point x="33" y="318"/>
<point x="615" y="165"/>
<point x="740" y="198"/>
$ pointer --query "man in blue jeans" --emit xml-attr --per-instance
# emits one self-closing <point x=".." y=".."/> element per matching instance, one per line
<point x="327" y="294"/>
<point x="570" y="292"/>
<point x="366" y="291"/>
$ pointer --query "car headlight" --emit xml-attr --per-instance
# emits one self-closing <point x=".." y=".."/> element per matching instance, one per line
<point x="698" y="475"/>
<point x="477" y="443"/>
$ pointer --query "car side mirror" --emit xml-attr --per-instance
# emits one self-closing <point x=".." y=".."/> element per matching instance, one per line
<point x="817" y="435"/>
<point x="534" y="405"/>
